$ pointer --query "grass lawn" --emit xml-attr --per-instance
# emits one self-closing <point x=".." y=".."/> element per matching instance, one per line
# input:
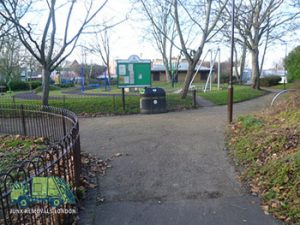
<point x="267" y="149"/>
<point x="102" y="104"/>
<point x="98" y="104"/>
<point x="240" y="93"/>
<point x="281" y="86"/>
<point x="113" y="90"/>
<point x="113" y="105"/>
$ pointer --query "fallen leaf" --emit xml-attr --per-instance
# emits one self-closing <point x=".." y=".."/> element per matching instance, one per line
<point x="117" y="154"/>
<point x="265" y="209"/>
<point x="100" y="199"/>
<point x="92" y="185"/>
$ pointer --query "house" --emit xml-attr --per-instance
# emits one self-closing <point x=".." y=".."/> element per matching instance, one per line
<point x="70" y="70"/>
<point x="27" y="75"/>
<point x="158" y="72"/>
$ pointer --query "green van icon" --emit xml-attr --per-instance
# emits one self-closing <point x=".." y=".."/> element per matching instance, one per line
<point x="52" y="190"/>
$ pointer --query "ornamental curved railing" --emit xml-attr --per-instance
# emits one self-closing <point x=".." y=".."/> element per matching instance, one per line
<point x="60" y="128"/>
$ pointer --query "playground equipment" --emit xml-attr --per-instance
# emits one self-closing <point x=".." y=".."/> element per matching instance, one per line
<point x="82" y="77"/>
<point x="212" y="62"/>
<point x="52" y="190"/>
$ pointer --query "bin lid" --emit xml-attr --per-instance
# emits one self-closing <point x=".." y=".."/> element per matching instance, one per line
<point x="153" y="92"/>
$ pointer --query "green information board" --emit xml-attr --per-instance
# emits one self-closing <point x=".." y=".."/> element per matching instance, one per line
<point x="134" y="72"/>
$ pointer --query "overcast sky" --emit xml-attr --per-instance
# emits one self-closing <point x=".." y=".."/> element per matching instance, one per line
<point x="127" y="38"/>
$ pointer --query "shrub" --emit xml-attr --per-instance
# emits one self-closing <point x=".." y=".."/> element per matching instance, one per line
<point x="17" y="85"/>
<point x="249" y="122"/>
<point x="35" y="84"/>
<point x="66" y="85"/>
<point x="224" y="78"/>
<point x="291" y="63"/>
<point x="270" y="81"/>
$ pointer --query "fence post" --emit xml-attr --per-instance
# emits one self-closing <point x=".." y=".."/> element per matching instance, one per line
<point x="77" y="161"/>
<point x="23" y="120"/>
<point x="123" y="99"/>
<point x="64" y="123"/>
<point x="13" y="99"/>
<point x="194" y="99"/>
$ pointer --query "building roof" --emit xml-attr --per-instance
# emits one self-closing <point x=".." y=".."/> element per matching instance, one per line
<point x="133" y="59"/>
<point x="183" y="67"/>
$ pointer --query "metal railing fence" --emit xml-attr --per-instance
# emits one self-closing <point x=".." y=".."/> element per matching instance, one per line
<point x="61" y="158"/>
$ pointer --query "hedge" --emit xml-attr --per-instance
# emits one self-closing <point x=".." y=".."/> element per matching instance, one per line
<point x="270" y="81"/>
<point x="18" y="85"/>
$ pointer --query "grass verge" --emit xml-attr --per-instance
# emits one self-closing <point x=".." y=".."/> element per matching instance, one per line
<point x="15" y="149"/>
<point x="240" y="93"/>
<point x="266" y="147"/>
<point x="281" y="86"/>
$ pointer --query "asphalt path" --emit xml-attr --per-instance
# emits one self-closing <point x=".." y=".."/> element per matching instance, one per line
<point x="174" y="169"/>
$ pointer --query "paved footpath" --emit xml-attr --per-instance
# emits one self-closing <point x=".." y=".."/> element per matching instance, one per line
<point x="173" y="171"/>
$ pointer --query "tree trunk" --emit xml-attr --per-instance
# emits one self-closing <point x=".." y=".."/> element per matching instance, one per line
<point x="108" y="72"/>
<point x="167" y="69"/>
<point x="46" y="77"/>
<point x="188" y="78"/>
<point x="243" y="60"/>
<point x="255" y="69"/>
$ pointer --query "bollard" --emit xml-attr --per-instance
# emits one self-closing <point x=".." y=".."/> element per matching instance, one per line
<point x="194" y="99"/>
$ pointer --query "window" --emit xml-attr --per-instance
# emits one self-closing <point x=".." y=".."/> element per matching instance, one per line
<point x="156" y="77"/>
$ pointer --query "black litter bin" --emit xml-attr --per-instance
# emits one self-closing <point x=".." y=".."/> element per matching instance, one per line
<point x="153" y="100"/>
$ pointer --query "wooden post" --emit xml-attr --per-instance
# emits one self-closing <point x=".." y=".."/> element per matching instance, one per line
<point x="123" y="98"/>
<point x="194" y="99"/>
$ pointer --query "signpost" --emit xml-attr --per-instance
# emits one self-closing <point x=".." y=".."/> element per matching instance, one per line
<point x="133" y="73"/>
<point x="230" y="86"/>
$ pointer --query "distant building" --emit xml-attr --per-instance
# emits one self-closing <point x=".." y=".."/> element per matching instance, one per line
<point x="158" y="72"/>
<point x="27" y="75"/>
<point x="247" y="75"/>
<point x="70" y="70"/>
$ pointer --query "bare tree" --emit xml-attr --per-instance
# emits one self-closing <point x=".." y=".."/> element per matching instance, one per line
<point x="10" y="57"/>
<point x="31" y="65"/>
<point x="261" y="22"/>
<point x="162" y="29"/>
<point x="50" y="47"/>
<point x="102" y="46"/>
<point x="205" y="17"/>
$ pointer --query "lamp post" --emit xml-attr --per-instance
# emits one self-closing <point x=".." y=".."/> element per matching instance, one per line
<point x="230" y="87"/>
